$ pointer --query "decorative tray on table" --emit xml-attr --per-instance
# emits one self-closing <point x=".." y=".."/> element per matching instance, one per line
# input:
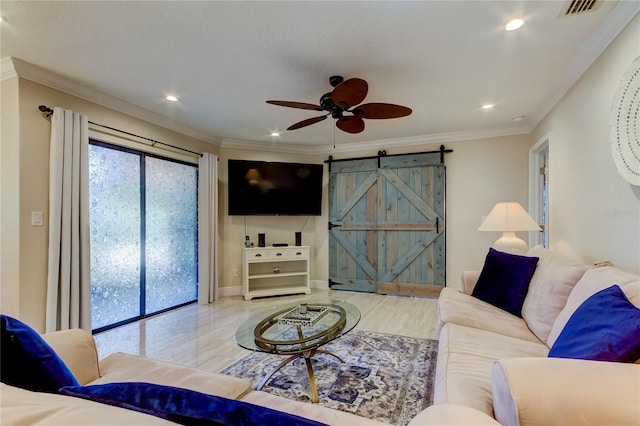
<point x="304" y="315"/>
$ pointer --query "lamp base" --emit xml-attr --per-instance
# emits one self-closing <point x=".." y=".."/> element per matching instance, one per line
<point x="509" y="243"/>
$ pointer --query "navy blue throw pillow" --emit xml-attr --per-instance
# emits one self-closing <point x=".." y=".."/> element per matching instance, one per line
<point x="28" y="362"/>
<point x="504" y="280"/>
<point x="185" y="406"/>
<point x="606" y="327"/>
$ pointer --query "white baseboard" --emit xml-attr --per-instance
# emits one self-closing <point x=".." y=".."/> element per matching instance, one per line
<point x="320" y="284"/>
<point x="235" y="290"/>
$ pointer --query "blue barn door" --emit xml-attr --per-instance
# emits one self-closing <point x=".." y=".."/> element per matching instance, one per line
<point x="387" y="224"/>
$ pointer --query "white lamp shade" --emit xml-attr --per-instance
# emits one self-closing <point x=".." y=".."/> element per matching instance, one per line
<point x="509" y="216"/>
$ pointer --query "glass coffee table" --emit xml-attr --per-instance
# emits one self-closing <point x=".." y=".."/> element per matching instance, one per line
<point x="298" y="330"/>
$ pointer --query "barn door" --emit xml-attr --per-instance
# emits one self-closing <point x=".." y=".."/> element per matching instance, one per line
<point x="387" y="224"/>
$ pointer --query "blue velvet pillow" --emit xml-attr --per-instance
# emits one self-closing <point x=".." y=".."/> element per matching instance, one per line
<point x="184" y="406"/>
<point x="606" y="327"/>
<point x="504" y="280"/>
<point x="28" y="362"/>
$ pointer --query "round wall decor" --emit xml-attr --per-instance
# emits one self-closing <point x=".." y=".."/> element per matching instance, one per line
<point x="625" y="125"/>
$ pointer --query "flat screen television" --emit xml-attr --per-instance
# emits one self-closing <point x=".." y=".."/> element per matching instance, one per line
<point x="264" y="188"/>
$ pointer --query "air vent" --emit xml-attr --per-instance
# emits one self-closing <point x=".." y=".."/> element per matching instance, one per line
<point x="576" y="7"/>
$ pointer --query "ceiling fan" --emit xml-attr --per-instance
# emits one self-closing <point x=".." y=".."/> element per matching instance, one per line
<point x="344" y="98"/>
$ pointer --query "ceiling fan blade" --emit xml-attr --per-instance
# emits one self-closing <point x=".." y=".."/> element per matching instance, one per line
<point x="350" y="92"/>
<point x="350" y="124"/>
<point x="307" y="122"/>
<point x="300" y="105"/>
<point x="381" y="110"/>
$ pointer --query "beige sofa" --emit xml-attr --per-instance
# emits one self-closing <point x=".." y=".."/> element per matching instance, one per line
<point x="497" y="363"/>
<point x="77" y="349"/>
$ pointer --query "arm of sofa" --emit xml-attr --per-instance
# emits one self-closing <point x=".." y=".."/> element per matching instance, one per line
<point x="78" y="351"/>
<point x="558" y="391"/>
<point x="469" y="280"/>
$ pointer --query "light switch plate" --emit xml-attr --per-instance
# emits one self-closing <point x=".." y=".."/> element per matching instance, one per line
<point x="37" y="219"/>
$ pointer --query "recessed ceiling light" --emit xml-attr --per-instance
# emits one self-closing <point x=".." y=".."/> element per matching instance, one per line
<point x="514" y="24"/>
<point x="171" y="98"/>
<point x="487" y="106"/>
<point x="275" y="133"/>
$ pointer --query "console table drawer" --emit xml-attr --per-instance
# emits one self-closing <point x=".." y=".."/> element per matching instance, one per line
<point x="256" y="255"/>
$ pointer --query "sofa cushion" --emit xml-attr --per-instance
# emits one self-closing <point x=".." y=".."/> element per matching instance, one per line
<point x="594" y="280"/>
<point x="504" y="280"/>
<point x="606" y="327"/>
<point x="464" y="309"/>
<point x="77" y="349"/>
<point x="28" y="362"/>
<point x="119" y="367"/>
<point x="465" y="361"/>
<point x="184" y="406"/>
<point x="23" y="407"/>
<point x="553" y="280"/>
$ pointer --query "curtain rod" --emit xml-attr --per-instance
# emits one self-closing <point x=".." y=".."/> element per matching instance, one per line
<point x="154" y="142"/>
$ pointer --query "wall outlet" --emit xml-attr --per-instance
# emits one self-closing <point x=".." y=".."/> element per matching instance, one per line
<point x="236" y="272"/>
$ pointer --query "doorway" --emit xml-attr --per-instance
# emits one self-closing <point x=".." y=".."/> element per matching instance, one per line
<point x="387" y="224"/>
<point x="539" y="191"/>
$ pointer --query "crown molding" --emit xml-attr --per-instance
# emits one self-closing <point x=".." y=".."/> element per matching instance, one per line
<point x="266" y="146"/>
<point x="374" y="145"/>
<point x="55" y="81"/>
<point x="619" y="17"/>
<point x="435" y="138"/>
<point x="7" y="70"/>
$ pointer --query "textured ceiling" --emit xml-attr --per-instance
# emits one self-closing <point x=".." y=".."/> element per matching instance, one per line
<point x="443" y="59"/>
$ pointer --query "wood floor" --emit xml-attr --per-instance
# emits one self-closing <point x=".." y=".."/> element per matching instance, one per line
<point x="202" y="336"/>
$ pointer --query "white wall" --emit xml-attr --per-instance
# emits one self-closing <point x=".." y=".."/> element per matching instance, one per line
<point x="594" y="213"/>
<point x="480" y="173"/>
<point x="9" y="199"/>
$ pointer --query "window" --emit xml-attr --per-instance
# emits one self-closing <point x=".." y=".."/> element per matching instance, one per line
<point x="143" y="234"/>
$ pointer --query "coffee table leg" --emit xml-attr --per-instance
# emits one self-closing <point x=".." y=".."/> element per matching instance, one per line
<point x="276" y="369"/>
<point x="312" y="380"/>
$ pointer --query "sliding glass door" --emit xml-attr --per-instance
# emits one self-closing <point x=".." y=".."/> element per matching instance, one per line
<point x="143" y="212"/>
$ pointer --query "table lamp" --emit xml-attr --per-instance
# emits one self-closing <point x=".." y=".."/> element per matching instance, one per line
<point x="508" y="218"/>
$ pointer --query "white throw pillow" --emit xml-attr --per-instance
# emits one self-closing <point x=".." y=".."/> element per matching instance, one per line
<point x="594" y="280"/>
<point x="549" y="289"/>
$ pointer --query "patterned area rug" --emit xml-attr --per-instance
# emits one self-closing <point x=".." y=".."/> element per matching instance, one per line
<point x="385" y="377"/>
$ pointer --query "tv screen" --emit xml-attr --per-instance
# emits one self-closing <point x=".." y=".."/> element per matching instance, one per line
<point x="273" y="189"/>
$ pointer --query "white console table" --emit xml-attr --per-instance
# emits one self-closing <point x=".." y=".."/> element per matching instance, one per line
<point x="275" y="271"/>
